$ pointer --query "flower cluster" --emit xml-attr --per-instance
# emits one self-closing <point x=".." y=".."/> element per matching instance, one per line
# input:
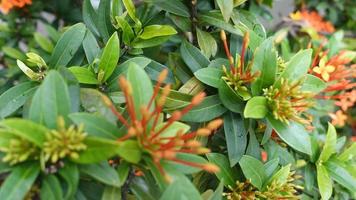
<point x="19" y="150"/>
<point x="149" y="131"/>
<point x="339" y="75"/>
<point x="238" y="75"/>
<point x="64" y="142"/>
<point x="7" y="5"/>
<point x="313" y="20"/>
<point x="276" y="190"/>
<point x="288" y="102"/>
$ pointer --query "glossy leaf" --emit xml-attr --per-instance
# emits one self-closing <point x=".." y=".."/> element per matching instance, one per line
<point x="235" y="136"/>
<point x="192" y="56"/>
<point x="50" y="101"/>
<point x="84" y="75"/>
<point x="67" y="45"/>
<point x="210" y="76"/>
<point x="103" y="173"/>
<point x="19" y="182"/>
<point x="226" y="173"/>
<point x="90" y="17"/>
<point x="157" y="31"/>
<point x="324" y="182"/>
<point x="110" y="57"/>
<point x="15" y="97"/>
<point x="329" y="147"/>
<point x="104" y="20"/>
<point x="256" y="108"/>
<point x="130" y="151"/>
<point x="293" y="134"/>
<point x="253" y="169"/>
<point x="229" y="98"/>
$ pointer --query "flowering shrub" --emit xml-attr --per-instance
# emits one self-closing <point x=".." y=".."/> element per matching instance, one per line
<point x="173" y="99"/>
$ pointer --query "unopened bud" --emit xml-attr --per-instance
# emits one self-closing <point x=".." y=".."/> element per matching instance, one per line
<point x="169" y="155"/>
<point x="193" y="144"/>
<point x="176" y="115"/>
<point x="203" y="150"/>
<point x="211" y="168"/>
<point x="223" y="35"/>
<point x="213" y="125"/>
<point x="131" y="131"/>
<point x="106" y="100"/>
<point x="162" y="76"/>
<point x="197" y="99"/>
<point x="204" y="132"/>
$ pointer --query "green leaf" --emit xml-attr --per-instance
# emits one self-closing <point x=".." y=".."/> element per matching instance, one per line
<point x="253" y="170"/>
<point x="293" y="134"/>
<point x="127" y="32"/>
<point x="181" y="188"/>
<point x="103" y="173"/>
<point x="271" y="166"/>
<point x="209" y="109"/>
<point x="226" y="7"/>
<point x="67" y="46"/>
<point x="216" y="19"/>
<point x="26" y="129"/>
<point x="324" y="182"/>
<point x="298" y="65"/>
<point x="110" y="57"/>
<point x="98" y="149"/>
<point x="210" y="76"/>
<point x="313" y="84"/>
<point x="226" y="173"/>
<point x="256" y="108"/>
<point x="130" y="151"/>
<point x="14" y="53"/>
<point x="265" y="61"/>
<point x="157" y="31"/>
<point x="15" y="97"/>
<point x="339" y="174"/>
<point x="96" y="125"/>
<point x="141" y="43"/>
<point x="348" y="153"/>
<point x="70" y="174"/>
<point x="329" y="147"/>
<point x="111" y="193"/>
<point x="142" y="89"/>
<point x="44" y="42"/>
<point x="90" y="46"/>
<point x="50" y="101"/>
<point x="281" y="176"/>
<point x="73" y="88"/>
<point x="207" y="43"/>
<point x="90" y="17"/>
<point x="130" y="8"/>
<point x="104" y="19"/>
<point x="173" y="6"/>
<point x="235" y="136"/>
<point x="229" y="98"/>
<point x="19" y="182"/>
<point x="84" y="75"/>
<point x="192" y="56"/>
<point x="51" y="188"/>
<point x="123" y="171"/>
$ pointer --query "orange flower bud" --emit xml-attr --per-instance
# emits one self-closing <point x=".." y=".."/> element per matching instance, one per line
<point x="204" y="132"/>
<point x="213" y="125"/>
<point x="197" y="99"/>
<point x="211" y="168"/>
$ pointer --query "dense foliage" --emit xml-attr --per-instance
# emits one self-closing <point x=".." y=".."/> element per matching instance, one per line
<point x="175" y="99"/>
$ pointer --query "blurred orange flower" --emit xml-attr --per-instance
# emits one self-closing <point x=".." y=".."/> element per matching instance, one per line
<point x="7" y="5"/>
<point x="313" y="20"/>
<point x="339" y="118"/>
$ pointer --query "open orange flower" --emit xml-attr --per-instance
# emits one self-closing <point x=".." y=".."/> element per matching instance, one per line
<point x="339" y="118"/>
<point x="323" y="69"/>
<point x="313" y="20"/>
<point x="7" y="5"/>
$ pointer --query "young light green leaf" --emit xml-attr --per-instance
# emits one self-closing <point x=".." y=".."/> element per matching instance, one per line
<point x="226" y="7"/>
<point x="84" y="75"/>
<point x="111" y="193"/>
<point x="130" y="151"/>
<point x="329" y="147"/>
<point x="207" y="43"/>
<point x="324" y="182"/>
<point x="157" y="31"/>
<point x="256" y="108"/>
<point x="110" y="57"/>
<point x="44" y="42"/>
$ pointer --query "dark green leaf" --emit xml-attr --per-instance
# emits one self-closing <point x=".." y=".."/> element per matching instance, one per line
<point x="103" y="173"/>
<point x="181" y="188"/>
<point x="91" y="47"/>
<point x="67" y="46"/>
<point x="218" y="194"/>
<point x="51" y="188"/>
<point x="215" y="18"/>
<point x="70" y="174"/>
<point x="19" y="182"/>
<point x="111" y="193"/>
<point x="15" y="97"/>
<point x="229" y="98"/>
<point x="90" y="17"/>
<point x="210" y="76"/>
<point x="226" y="173"/>
<point x="192" y="56"/>
<point x="104" y="20"/>
<point x="235" y="136"/>
<point x="172" y="6"/>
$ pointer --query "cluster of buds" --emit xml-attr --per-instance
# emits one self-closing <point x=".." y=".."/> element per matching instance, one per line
<point x="19" y="150"/>
<point x="281" y="63"/>
<point x="288" y="101"/>
<point x="149" y="132"/>
<point x="7" y="5"/>
<point x="34" y="60"/>
<point x="274" y="191"/>
<point x="238" y="75"/>
<point x="63" y="142"/>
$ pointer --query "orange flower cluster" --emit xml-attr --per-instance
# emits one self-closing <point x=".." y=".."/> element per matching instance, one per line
<point x="7" y="5"/>
<point x="339" y="75"/>
<point x="313" y="20"/>
<point x="150" y="133"/>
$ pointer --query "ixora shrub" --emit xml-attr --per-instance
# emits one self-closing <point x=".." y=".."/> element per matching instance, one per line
<point x="171" y="99"/>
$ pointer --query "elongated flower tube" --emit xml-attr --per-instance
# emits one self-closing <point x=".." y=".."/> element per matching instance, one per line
<point x="150" y="131"/>
<point x="288" y="102"/>
<point x="238" y="74"/>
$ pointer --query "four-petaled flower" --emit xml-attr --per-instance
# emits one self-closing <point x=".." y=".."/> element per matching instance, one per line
<point x="339" y="118"/>
<point x="324" y="69"/>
